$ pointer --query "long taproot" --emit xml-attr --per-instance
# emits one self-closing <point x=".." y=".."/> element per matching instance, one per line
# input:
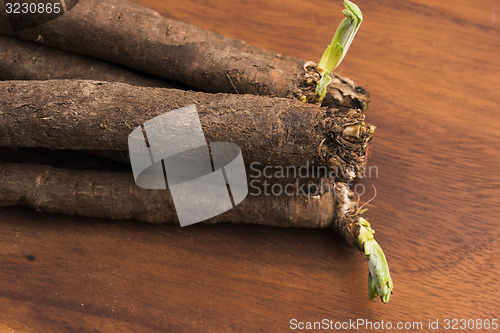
<point x="128" y="34"/>
<point x="88" y="115"/>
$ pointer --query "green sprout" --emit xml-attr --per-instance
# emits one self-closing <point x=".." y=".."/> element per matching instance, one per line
<point x="335" y="52"/>
<point x="379" y="278"/>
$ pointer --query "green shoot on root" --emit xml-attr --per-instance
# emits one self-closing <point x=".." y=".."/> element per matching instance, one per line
<point x="338" y="47"/>
<point x="379" y="278"/>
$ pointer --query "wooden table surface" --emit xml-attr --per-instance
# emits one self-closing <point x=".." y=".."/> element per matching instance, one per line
<point x="433" y="71"/>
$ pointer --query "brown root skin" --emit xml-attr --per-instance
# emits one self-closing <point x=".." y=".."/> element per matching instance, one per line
<point x="114" y="195"/>
<point x="133" y="36"/>
<point x="23" y="60"/>
<point x="87" y="115"/>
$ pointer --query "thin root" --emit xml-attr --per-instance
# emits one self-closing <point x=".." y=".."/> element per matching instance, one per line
<point x="232" y="84"/>
<point x="366" y="203"/>
<point x="319" y="148"/>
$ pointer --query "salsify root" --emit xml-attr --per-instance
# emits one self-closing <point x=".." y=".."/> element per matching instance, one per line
<point x="24" y="60"/>
<point x="87" y="115"/>
<point x="140" y="38"/>
<point x="114" y="195"/>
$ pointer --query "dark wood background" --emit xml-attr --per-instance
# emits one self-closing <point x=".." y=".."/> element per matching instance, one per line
<point x="433" y="71"/>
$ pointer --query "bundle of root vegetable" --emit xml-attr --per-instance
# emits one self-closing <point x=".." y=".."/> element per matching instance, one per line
<point x="74" y="88"/>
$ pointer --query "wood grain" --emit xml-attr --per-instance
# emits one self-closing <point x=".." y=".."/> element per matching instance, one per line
<point x="432" y="69"/>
